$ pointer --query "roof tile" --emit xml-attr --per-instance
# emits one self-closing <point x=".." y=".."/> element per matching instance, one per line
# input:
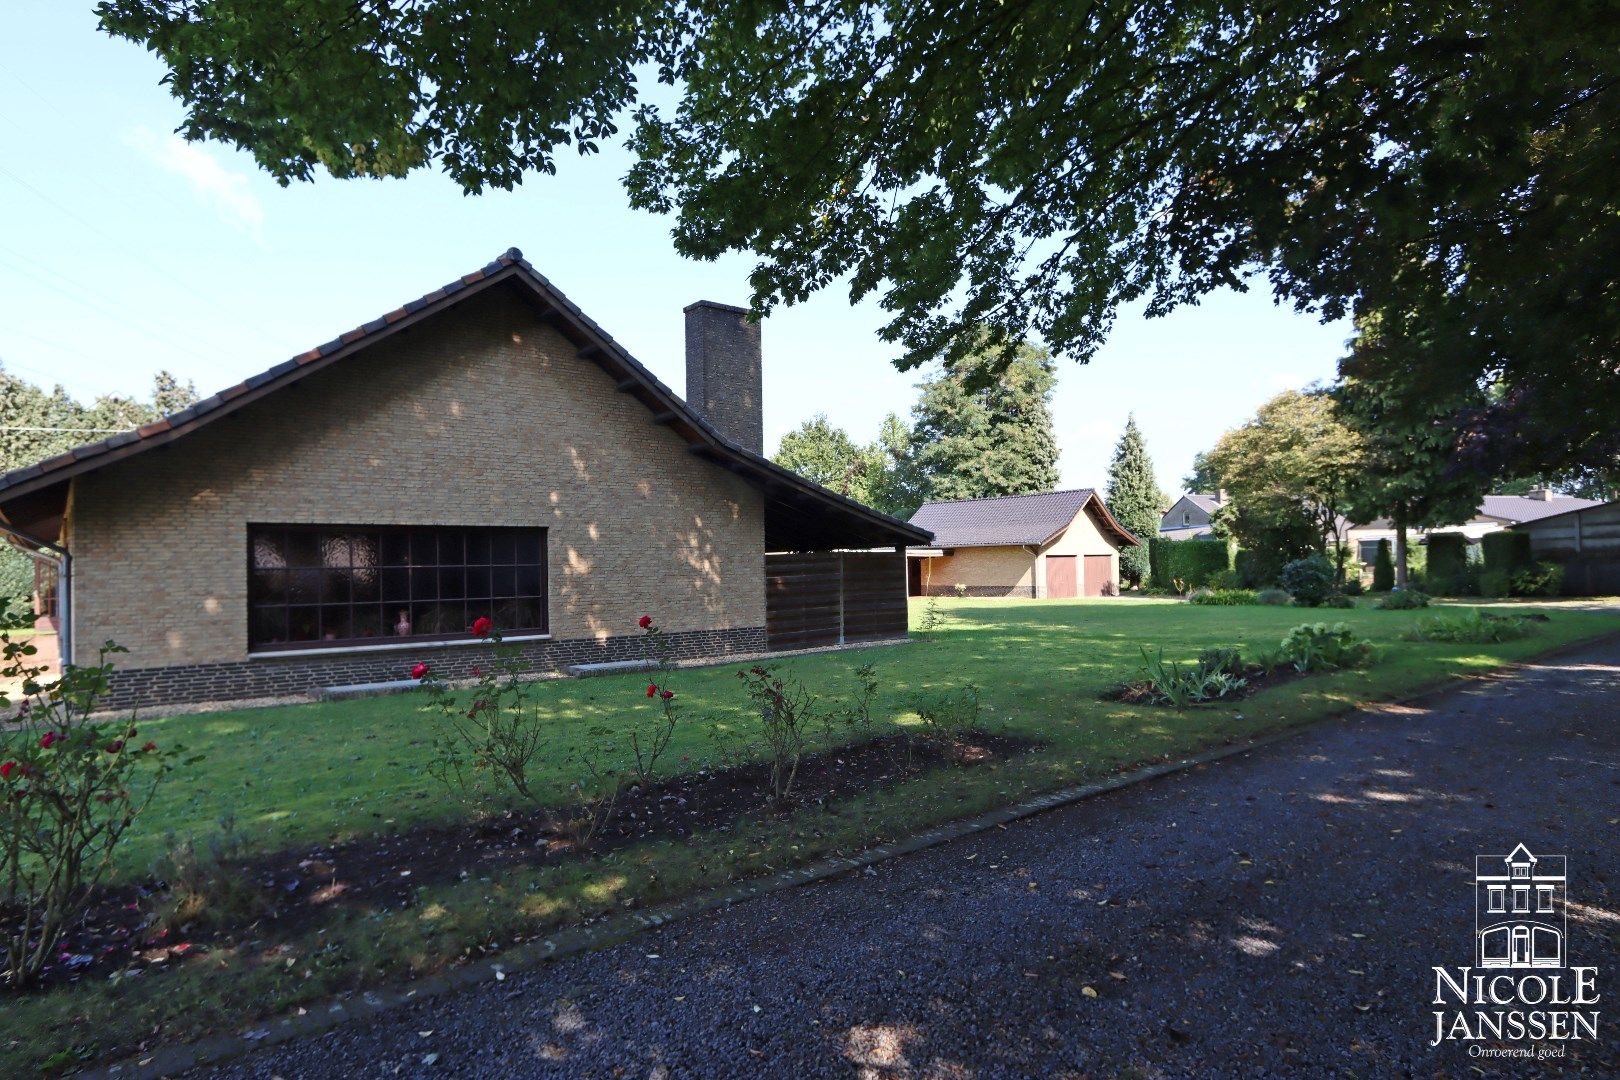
<point x="1007" y="520"/>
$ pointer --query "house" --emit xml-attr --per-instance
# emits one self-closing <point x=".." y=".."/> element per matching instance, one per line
<point x="1519" y="909"/>
<point x="1495" y="513"/>
<point x="1056" y="544"/>
<point x="1585" y="541"/>
<point x="1191" y="517"/>
<point x="486" y="449"/>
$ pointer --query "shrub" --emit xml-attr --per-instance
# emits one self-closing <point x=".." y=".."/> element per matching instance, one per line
<point x="1404" y="600"/>
<point x="1168" y="683"/>
<point x="1338" y="600"/>
<point x="1225" y="580"/>
<point x="1274" y="597"/>
<point x="1310" y="579"/>
<point x="1494" y="583"/>
<point x="70" y="789"/>
<point x="1226" y="659"/>
<point x="786" y="711"/>
<point x="947" y="716"/>
<point x="1323" y="646"/>
<point x="1222" y="597"/>
<point x="931" y="617"/>
<point x="1448" y="571"/>
<point x="1475" y="628"/>
<point x="1541" y="579"/>
<point x="1352" y="585"/>
<point x="206" y="888"/>
<point x="1383" y="568"/>
<point x="1506" y="550"/>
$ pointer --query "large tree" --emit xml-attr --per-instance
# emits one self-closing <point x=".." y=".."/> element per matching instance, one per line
<point x="1018" y="168"/>
<point x="976" y="435"/>
<point x="881" y="474"/>
<point x="1135" y="498"/>
<point x="1294" y="465"/>
<point x="1202" y="479"/>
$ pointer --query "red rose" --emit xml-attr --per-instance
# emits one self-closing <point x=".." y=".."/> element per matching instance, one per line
<point x="477" y="672"/>
<point x="49" y="738"/>
<point x="667" y="694"/>
<point x="115" y="746"/>
<point x="149" y="747"/>
<point x="7" y="769"/>
<point x="652" y="688"/>
<point x="482" y="626"/>
<point x="646" y="621"/>
<point x="419" y="671"/>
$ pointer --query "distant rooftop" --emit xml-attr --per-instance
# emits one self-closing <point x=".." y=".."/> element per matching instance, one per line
<point x="1009" y="520"/>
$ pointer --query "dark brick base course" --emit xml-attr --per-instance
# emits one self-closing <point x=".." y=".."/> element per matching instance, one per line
<point x="282" y="677"/>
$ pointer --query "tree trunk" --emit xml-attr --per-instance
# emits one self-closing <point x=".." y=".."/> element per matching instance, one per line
<point x="1400" y="551"/>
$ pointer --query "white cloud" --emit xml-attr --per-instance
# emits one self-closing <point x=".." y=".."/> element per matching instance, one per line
<point x="227" y="191"/>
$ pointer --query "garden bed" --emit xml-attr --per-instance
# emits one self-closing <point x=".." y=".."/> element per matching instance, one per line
<point x="292" y="891"/>
<point x="1255" y="678"/>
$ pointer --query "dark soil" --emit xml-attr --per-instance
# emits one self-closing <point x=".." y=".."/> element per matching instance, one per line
<point x="1257" y="679"/>
<point x="294" y="889"/>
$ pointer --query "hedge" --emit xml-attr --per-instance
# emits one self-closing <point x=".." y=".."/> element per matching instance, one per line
<point x="1506" y="551"/>
<point x="1448" y="562"/>
<point x="1194" y="562"/>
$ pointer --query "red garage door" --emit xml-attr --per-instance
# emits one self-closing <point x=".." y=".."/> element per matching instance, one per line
<point x="1060" y="576"/>
<point x="1099" y="573"/>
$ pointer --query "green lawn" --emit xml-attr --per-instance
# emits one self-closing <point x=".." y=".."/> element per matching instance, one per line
<point x="320" y="772"/>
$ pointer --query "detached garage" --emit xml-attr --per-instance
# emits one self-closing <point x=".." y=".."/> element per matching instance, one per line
<point x="1586" y="542"/>
<point x="1056" y="544"/>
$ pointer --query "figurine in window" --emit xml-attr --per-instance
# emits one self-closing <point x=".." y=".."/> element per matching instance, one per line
<point x="403" y="627"/>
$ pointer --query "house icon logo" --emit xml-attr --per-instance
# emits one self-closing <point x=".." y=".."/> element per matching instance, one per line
<point x="1519" y="910"/>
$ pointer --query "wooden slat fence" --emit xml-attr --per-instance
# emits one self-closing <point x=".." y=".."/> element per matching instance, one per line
<point x="834" y="597"/>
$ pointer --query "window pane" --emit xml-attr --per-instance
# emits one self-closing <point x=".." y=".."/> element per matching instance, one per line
<point x="450" y="548"/>
<point x="424" y="548"/>
<point x="477" y="547"/>
<point x="303" y="548"/>
<point x="268" y="587"/>
<point x="396" y="584"/>
<point x="500" y="548"/>
<point x="269" y="549"/>
<point x="363" y="549"/>
<point x="364" y="580"/>
<point x="337" y="623"/>
<point x="368" y="622"/>
<point x="424" y="583"/>
<point x="303" y="586"/>
<point x="396" y="548"/>
<point x="528" y="547"/>
<point x="502" y="581"/>
<point x="269" y="625"/>
<point x="528" y="581"/>
<point x="477" y="582"/>
<point x="335" y="586"/>
<point x="303" y="624"/>
<point x="452" y="583"/>
<point x="335" y="550"/>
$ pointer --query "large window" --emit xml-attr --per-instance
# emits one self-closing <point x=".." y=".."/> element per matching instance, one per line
<point x="312" y="585"/>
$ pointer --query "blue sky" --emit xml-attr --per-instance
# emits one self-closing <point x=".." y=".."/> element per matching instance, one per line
<point x="125" y="250"/>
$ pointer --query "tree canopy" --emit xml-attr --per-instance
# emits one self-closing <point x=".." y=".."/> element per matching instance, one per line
<point x="1135" y="498"/>
<point x="1018" y="168"/>
<point x="976" y="435"/>
<point x="1292" y="467"/>
<point x="878" y="474"/>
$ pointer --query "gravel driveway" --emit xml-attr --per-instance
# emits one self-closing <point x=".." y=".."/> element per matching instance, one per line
<point x="1274" y="914"/>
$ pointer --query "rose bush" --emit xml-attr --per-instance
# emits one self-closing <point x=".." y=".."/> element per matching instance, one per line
<point x="70" y="788"/>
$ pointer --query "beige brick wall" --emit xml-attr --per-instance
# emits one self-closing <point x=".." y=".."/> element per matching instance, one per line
<point x="984" y="566"/>
<point x="483" y="416"/>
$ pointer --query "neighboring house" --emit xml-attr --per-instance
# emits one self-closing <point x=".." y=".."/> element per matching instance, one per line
<point x="1497" y="512"/>
<point x="1057" y="544"/>
<point x="1585" y="541"/>
<point x="1191" y="517"/>
<point x="484" y="450"/>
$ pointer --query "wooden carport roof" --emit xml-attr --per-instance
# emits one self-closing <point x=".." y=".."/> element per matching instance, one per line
<point x="799" y="515"/>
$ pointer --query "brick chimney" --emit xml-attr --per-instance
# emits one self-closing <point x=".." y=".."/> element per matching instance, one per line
<point x="723" y="371"/>
<point x="1540" y="494"/>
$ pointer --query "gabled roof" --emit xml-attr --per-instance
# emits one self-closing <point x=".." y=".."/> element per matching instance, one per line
<point x="1574" y="510"/>
<point x="800" y="514"/>
<point x="1207" y="503"/>
<point x="1011" y="520"/>
<point x="1517" y="508"/>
